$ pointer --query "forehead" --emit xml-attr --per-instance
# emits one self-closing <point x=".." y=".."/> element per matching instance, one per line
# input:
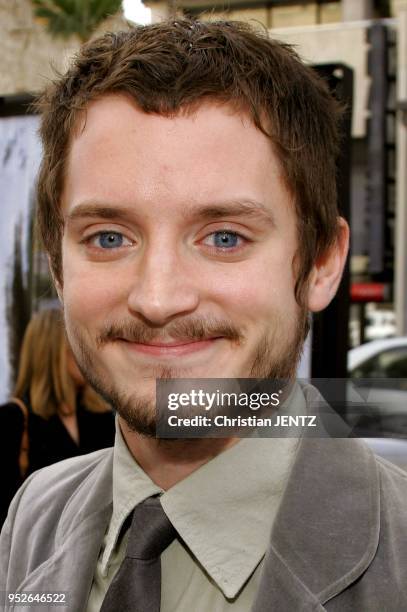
<point x="212" y="152"/>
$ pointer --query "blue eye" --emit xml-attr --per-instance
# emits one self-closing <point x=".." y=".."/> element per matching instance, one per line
<point x="225" y="239"/>
<point x="109" y="240"/>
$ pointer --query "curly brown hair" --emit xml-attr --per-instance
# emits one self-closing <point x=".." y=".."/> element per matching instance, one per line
<point x="173" y="66"/>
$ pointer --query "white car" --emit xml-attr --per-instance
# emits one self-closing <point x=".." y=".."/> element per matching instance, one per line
<point x="379" y="359"/>
<point x="378" y="371"/>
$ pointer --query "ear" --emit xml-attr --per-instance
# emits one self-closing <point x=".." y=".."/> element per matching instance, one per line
<point x="327" y="271"/>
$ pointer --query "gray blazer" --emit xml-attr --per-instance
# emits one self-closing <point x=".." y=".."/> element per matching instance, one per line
<point x="339" y="541"/>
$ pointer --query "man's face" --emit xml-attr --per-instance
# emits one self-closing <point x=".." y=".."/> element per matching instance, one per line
<point x="177" y="252"/>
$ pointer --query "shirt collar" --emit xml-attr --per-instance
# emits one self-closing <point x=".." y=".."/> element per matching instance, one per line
<point x="131" y="486"/>
<point x="223" y="511"/>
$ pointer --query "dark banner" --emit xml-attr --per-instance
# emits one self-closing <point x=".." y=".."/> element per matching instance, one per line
<point x="217" y="408"/>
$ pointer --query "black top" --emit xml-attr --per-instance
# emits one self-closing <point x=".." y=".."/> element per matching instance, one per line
<point x="49" y="442"/>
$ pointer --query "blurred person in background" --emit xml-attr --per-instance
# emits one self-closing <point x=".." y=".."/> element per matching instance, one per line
<point x="53" y="413"/>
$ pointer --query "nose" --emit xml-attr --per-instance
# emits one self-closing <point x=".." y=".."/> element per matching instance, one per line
<point x="163" y="287"/>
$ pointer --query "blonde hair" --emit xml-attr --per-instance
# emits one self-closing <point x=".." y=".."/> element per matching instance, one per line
<point x="43" y="373"/>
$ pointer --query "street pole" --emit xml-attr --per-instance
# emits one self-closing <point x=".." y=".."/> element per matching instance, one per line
<point x="401" y="175"/>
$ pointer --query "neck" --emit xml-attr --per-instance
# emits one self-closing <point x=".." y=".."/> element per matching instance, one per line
<point x="167" y="462"/>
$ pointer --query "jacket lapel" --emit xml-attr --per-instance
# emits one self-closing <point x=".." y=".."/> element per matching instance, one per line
<point x="327" y="529"/>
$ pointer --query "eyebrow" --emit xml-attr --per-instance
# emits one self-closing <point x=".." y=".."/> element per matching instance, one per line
<point x="233" y="208"/>
<point x="100" y="210"/>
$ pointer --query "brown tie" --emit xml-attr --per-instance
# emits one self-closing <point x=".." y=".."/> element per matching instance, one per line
<point x="137" y="585"/>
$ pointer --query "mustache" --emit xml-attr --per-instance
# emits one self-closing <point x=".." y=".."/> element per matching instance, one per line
<point x="185" y="329"/>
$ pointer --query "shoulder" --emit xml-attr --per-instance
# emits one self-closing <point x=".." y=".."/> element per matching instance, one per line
<point x="48" y="510"/>
<point x="50" y="489"/>
<point x="67" y="474"/>
<point x="393" y="485"/>
<point x="392" y="480"/>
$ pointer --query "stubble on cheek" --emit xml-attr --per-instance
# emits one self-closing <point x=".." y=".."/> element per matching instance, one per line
<point x="279" y="352"/>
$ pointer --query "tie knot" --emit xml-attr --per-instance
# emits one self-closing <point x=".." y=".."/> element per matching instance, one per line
<point x="150" y="531"/>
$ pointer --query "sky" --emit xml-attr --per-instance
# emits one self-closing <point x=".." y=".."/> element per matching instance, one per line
<point x="134" y="10"/>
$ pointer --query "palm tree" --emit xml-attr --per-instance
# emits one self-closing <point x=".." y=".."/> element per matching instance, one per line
<point x="74" y="17"/>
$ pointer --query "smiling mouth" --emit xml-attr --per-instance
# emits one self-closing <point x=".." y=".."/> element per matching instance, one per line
<point x="171" y="348"/>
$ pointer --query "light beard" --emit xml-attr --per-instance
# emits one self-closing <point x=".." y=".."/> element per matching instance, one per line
<point x="272" y="359"/>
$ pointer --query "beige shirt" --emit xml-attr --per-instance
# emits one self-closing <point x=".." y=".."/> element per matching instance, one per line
<point x="223" y="513"/>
